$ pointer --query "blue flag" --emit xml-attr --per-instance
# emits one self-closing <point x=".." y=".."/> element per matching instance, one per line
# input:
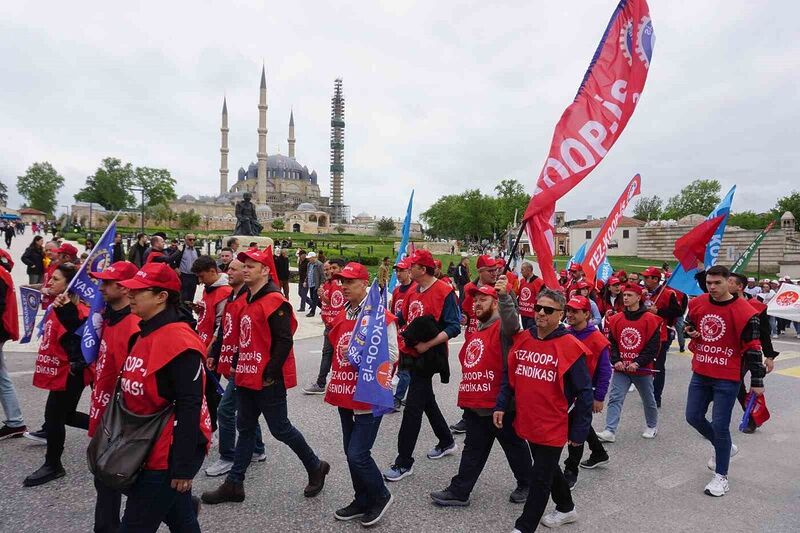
<point x="605" y="271"/>
<point x="30" y="300"/>
<point x="685" y="281"/>
<point x="401" y="252"/>
<point x="578" y="257"/>
<point x="368" y="353"/>
<point x="88" y="289"/>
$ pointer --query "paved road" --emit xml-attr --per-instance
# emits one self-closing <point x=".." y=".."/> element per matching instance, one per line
<point x="649" y="486"/>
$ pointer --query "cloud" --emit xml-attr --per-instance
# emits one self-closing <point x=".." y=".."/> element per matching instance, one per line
<point x="441" y="96"/>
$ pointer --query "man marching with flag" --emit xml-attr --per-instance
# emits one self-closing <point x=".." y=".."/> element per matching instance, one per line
<point x="360" y="420"/>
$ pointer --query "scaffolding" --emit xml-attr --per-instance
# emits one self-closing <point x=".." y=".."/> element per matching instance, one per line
<point x="340" y="213"/>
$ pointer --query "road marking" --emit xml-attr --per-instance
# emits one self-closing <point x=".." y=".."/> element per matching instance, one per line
<point x="21" y="373"/>
<point x="315" y="351"/>
<point x="793" y="372"/>
<point x="675" y="480"/>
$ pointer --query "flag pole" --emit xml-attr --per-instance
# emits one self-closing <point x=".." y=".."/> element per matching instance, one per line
<point x="514" y="248"/>
<point x="92" y="255"/>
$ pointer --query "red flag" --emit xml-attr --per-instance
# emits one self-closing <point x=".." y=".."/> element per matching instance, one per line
<point x="691" y="248"/>
<point x="597" y="251"/>
<point x="593" y="122"/>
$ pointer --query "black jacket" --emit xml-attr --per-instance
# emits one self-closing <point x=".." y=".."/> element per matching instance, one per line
<point x="280" y="329"/>
<point x="434" y="361"/>
<point x="282" y="267"/>
<point x="33" y="257"/>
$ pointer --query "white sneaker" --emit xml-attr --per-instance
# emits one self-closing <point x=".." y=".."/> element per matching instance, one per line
<point x="650" y="433"/>
<point x="606" y="436"/>
<point x="712" y="463"/>
<point x="774" y="336"/>
<point x="259" y="457"/>
<point x="718" y="486"/>
<point x="515" y="530"/>
<point x="220" y="467"/>
<point x="632" y="388"/>
<point x="557" y="518"/>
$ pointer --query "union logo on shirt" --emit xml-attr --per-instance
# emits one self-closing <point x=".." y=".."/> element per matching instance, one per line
<point x="341" y="349"/>
<point x="525" y="294"/>
<point x="200" y="308"/>
<point x="415" y="310"/>
<point x="245" y="331"/>
<point x="712" y="328"/>
<point x="48" y="329"/>
<point x="630" y="338"/>
<point x="337" y="299"/>
<point x="474" y="352"/>
<point x="227" y="325"/>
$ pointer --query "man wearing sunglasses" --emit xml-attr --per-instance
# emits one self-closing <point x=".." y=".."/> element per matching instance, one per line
<point x="546" y="373"/>
<point x="182" y="261"/>
<point x="664" y="303"/>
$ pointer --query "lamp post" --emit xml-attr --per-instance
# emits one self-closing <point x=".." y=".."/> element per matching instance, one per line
<point x="140" y="190"/>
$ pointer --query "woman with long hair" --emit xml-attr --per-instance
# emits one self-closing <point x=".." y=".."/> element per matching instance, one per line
<point x="33" y="258"/>
<point x="61" y="369"/>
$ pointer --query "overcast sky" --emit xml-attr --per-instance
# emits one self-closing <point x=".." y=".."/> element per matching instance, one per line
<point x="441" y="96"/>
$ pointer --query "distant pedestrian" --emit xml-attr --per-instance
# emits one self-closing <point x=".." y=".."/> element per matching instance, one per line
<point x="33" y="258"/>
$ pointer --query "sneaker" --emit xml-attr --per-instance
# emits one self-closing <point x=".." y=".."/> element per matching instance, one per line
<point x="314" y="388"/>
<point x="712" y="463"/>
<point x="445" y="498"/>
<point x="606" y="436"/>
<point x="374" y="515"/>
<point x="718" y="486"/>
<point x="650" y="433"/>
<point x="774" y="336"/>
<point x="220" y="467"/>
<point x="316" y="480"/>
<point x="398" y="405"/>
<point x="44" y="474"/>
<point x="351" y="512"/>
<point x="682" y="350"/>
<point x="572" y="478"/>
<point x="557" y="518"/>
<point x="594" y="461"/>
<point x="751" y="426"/>
<point x="459" y="427"/>
<point x="437" y="452"/>
<point x="7" y="432"/>
<point x="520" y="495"/>
<point x="310" y="315"/>
<point x="396" y="472"/>
<point x="631" y="388"/>
<point x="36" y="436"/>
<point x="259" y="457"/>
<point x="227" y="492"/>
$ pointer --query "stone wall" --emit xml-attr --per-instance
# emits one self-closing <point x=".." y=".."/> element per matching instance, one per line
<point x="659" y="242"/>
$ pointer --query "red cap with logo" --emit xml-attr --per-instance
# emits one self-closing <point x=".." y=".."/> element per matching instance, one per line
<point x="403" y="264"/>
<point x="119" y="271"/>
<point x="652" y="271"/>
<point x="483" y="289"/>
<point x="422" y="257"/>
<point x="613" y="280"/>
<point x="574" y="267"/>
<point x="580" y="303"/>
<point x="634" y="288"/>
<point x="154" y="275"/>
<point x="582" y="285"/>
<point x="437" y="263"/>
<point x="485" y="261"/>
<point x="563" y="274"/>
<point x="353" y="270"/>
<point x="67" y="249"/>
<point x="264" y="257"/>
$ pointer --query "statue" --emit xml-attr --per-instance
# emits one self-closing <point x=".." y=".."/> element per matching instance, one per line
<point x="246" y="221"/>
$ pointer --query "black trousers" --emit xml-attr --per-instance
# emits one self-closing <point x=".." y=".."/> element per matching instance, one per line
<point x="188" y="287"/>
<point x="213" y="397"/>
<point x="327" y="359"/>
<point x="546" y="478"/>
<point x="661" y="362"/>
<point x="420" y="399"/>
<point x="313" y="299"/>
<point x="481" y="434"/>
<point x="575" y="453"/>
<point x="60" y="411"/>
<point x="106" y="508"/>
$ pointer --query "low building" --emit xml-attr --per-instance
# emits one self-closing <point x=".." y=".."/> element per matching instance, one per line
<point x="623" y="242"/>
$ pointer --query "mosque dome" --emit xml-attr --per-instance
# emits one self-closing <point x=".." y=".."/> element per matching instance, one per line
<point x="306" y="206"/>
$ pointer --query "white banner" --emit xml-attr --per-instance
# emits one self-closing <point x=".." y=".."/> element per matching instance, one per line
<point x="786" y="303"/>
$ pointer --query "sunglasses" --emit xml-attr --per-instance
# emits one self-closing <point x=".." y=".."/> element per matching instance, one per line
<point x="546" y="308"/>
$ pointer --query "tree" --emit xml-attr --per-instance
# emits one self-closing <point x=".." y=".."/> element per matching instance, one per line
<point x="385" y="226"/>
<point x="39" y="186"/>
<point x="160" y="213"/>
<point x="750" y="220"/>
<point x="648" y="208"/>
<point x="700" y="197"/>
<point x="188" y="219"/>
<point x="277" y="224"/>
<point x="511" y="199"/>
<point x="3" y="194"/>
<point x="339" y="229"/>
<point x="110" y="186"/>
<point x="158" y="185"/>
<point x="789" y="203"/>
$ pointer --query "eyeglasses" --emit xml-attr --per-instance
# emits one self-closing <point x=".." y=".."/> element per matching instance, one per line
<point x="546" y="308"/>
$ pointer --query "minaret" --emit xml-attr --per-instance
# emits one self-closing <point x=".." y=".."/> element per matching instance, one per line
<point x="291" y="138"/>
<point x="261" y="188"/>
<point x="223" y="151"/>
<point x="339" y="212"/>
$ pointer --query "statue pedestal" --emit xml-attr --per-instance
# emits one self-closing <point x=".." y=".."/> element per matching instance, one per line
<point x="245" y="240"/>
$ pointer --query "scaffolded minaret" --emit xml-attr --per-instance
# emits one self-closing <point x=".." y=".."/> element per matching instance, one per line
<point x="339" y="213"/>
<point x="291" y="138"/>
<point x="261" y="187"/>
<point x="223" y="151"/>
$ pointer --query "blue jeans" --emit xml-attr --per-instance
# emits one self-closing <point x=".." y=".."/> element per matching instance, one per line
<point x="620" y="382"/>
<point x="702" y="391"/>
<point x="403" y="379"/>
<point x="8" y="396"/>
<point x="679" y="324"/>
<point x="271" y="402"/>
<point x="151" y="501"/>
<point x="226" y="423"/>
<point x="358" y="435"/>
<point x="661" y="363"/>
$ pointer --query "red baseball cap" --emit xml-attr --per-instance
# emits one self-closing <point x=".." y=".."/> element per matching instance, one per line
<point x="613" y="280"/>
<point x="485" y="261"/>
<point x="403" y="264"/>
<point x="652" y="271"/>
<point x="621" y="274"/>
<point x="575" y="267"/>
<point x="153" y="275"/>
<point x="501" y="262"/>
<point x="483" y="289"/>
<point x="562" y="274"/>
<point x="422" y="257"/>
<point x="634" y="288"/>
<point x="67" y="249"/>
<point x="119" y="271"/>
<point x="353" y="270"/>
<point x="5" y="259"/>
<point x="264" y="257"/>
<point x="580" y="303"/>
<point x="437" y="263"/>
<point x="582" y="285"/>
